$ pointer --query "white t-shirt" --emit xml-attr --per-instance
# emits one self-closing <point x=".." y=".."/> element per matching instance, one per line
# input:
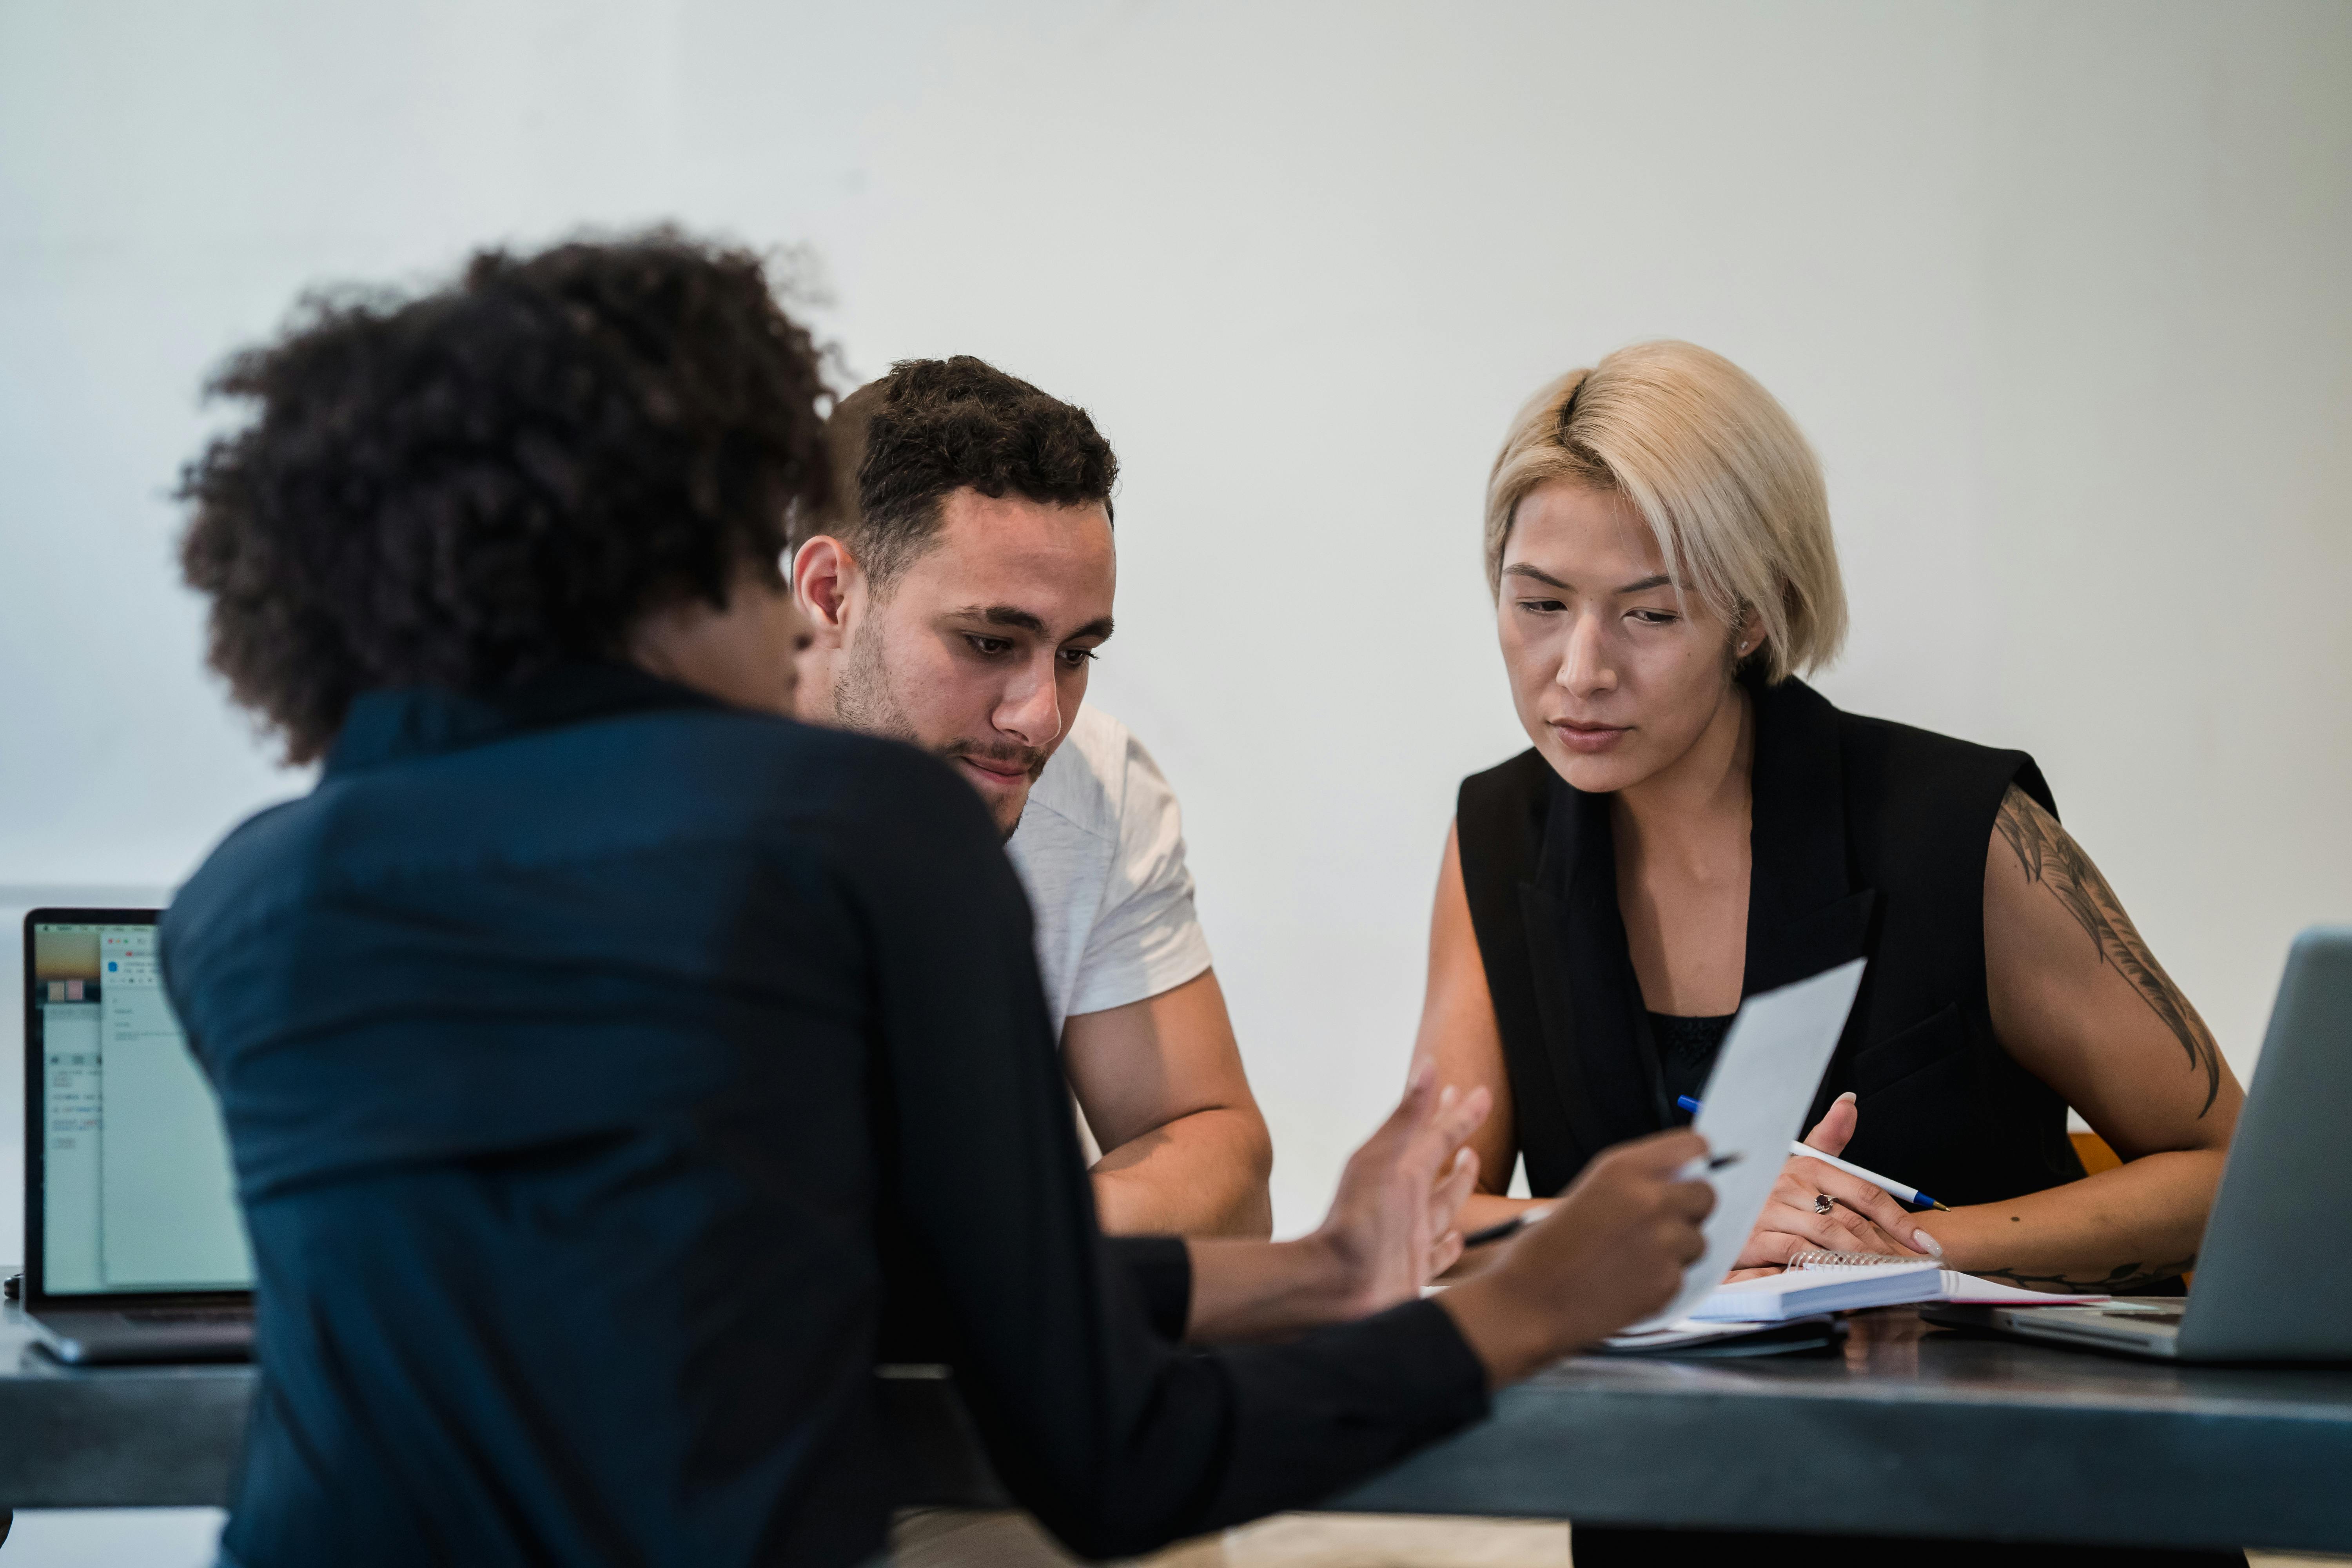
<point x="1100" y="849"/>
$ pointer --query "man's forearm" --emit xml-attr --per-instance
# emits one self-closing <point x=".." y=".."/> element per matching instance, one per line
<point x="1203" y="1175"/>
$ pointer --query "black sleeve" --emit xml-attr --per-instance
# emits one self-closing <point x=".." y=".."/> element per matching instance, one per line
<point x="1117" y="1439"/>
<point x="1161" y="1268"/>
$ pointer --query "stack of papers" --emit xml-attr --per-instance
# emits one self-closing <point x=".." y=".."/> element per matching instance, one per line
<point x="1776" y="1298"/>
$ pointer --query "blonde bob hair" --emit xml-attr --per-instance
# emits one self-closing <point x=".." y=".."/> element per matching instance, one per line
<point x="1714" y="465"/>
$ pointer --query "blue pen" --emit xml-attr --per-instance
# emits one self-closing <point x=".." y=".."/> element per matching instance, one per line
<point x="1911" y="1195"/>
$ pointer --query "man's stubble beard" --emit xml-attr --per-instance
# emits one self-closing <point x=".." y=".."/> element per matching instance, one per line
<point x="863" y="700"/>
<point x="862" y="697"/>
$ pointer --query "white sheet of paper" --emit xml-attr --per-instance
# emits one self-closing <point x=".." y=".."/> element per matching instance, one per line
<point x="1969" y="1291"/>
<point x="1755" y="1100"/>
<point x="1685" y="1332"/>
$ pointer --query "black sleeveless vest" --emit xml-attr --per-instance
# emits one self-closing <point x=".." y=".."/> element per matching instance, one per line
<point x="1868" y="840"/>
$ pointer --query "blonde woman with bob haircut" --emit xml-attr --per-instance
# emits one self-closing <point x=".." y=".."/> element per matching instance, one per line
<point x="1695" y="824"/>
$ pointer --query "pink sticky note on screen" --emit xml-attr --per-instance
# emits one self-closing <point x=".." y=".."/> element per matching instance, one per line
<point x="73" y="990"/>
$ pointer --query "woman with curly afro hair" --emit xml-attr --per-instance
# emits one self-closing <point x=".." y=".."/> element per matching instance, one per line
<point x="469" y="489"/>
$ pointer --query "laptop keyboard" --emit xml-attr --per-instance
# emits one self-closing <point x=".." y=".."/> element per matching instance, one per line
<point x="188" y="1315"/>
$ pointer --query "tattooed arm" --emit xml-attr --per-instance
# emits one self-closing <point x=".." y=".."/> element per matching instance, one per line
<point x="2080" y="1002"/>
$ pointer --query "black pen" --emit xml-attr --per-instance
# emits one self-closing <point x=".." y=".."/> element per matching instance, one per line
<point x="1528" y="1217"/>
<point x="1506" y="1229"/>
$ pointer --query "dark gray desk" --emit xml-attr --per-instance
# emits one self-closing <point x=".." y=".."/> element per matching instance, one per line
<point x="1910" y="1431"/>
<point x="123" y="1438"/>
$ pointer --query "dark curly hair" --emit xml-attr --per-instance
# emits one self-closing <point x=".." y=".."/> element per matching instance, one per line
<point x="467" y="488"/>
<point x="933" y="427"/>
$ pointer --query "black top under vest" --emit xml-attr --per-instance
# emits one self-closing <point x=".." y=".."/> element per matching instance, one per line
<point x="1686" y="1048"/>
<point x="1868" y="839"/>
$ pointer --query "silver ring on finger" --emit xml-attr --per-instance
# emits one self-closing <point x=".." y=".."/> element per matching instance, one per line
<point x="1824" y="1203"/>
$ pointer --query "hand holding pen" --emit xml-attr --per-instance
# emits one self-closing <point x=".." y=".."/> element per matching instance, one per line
<point x="1819" y="1200"/>
<point x="1822" y="1201"/>
<point x="1535" y="1213"/>
<point x="1888" y="1184"/>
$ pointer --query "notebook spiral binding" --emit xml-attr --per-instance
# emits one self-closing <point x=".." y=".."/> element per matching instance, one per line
<point x="1819" y="1258"/>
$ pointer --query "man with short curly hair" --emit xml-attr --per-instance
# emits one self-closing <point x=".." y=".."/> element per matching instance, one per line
<point x="957" y="594"/>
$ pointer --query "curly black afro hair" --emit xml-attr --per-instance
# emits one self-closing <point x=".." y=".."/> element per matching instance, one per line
<point x="467" y="488"/>
<point x="933" y="427"/>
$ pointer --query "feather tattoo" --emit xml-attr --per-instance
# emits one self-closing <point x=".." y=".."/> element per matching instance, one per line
<point x="2050" y="855"/>
<point x="2124" y="1279"/>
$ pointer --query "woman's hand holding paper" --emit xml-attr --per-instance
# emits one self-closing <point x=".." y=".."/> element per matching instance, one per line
<point x="1392" y="1227"/>
<point x="1612" y="1250"/>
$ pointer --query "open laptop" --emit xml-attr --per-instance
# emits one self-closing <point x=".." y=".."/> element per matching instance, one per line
<point x="2275" y="1272"/>
<point x="134" y="1250"/>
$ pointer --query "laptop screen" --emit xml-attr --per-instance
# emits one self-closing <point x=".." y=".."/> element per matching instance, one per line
<point x="132" y="1184"/>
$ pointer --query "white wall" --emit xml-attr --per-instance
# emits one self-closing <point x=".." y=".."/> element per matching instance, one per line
<point x="2060" y="292"/>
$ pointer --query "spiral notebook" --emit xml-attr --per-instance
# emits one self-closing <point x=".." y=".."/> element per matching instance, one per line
<point x="1851" y="1281"/>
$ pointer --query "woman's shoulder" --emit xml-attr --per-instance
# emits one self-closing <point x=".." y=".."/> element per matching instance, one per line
<point x="1498" y="815"/>
<point x="1526" y="778"/>
<point x="1918" y="771"/>
<point x="1509" y="800"/>
<point x="1918" y="782"/>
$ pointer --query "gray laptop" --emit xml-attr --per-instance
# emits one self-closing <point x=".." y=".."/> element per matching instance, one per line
<point x="2275" y="1268"/>
<point x="134" y="1249"/>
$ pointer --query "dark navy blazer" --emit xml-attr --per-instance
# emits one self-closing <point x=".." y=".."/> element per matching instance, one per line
<point x="612" y="1077"/>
